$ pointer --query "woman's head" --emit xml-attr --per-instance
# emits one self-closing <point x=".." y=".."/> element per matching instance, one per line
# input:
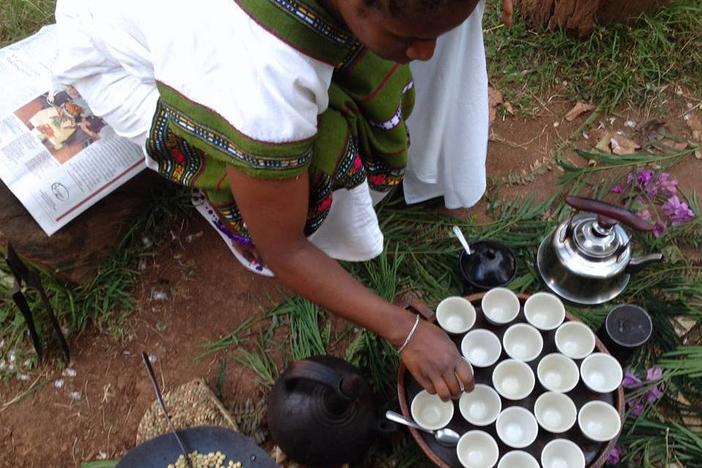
<point x="401" y="30"/>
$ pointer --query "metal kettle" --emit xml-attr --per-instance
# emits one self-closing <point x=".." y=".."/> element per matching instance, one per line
<point x="321" y="412"/>
<point x="587" y="259"/>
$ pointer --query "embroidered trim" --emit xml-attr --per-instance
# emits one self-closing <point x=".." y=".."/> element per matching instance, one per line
<point x="310" y="18"/>
<point x="225" y="145"/>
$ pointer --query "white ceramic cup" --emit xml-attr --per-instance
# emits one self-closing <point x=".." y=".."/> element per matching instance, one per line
<point x="601" y="373"/>
<point x="500" y="306"/>
<point x="575" y="340"/>
<point x="555" y="412"/>
<point x="562" y="453"/>
<point x="481" y="406"/>
<point x="477" y="449"/>
<point x="599" y="421"/>
<point x="518" y="459"/>
<point x="558" y="373"/>
<point x="430" y="412"/>
<point x="523" y="342"/>
<point x="544" y="310"/>
<point x="455" y="314"/>
<point x="513" y="379"/>
<point x="517" y="427"/>
<point x="482" y="348"/>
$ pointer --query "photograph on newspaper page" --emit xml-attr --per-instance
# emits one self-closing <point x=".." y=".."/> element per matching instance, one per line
<point x="56" y="156"/>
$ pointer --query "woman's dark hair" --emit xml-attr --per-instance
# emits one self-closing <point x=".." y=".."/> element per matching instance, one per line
<point x="400" y="7"/>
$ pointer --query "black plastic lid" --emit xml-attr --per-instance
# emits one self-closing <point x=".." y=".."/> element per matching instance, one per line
<point x="629" y="325"/>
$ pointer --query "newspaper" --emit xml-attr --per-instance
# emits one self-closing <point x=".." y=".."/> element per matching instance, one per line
<point x="56" y="157"/>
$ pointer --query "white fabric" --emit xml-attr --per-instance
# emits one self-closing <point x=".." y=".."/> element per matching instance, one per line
<point x="449" y="124"/>
<point x="351" y="230"/>
<point x="214" y="54"/>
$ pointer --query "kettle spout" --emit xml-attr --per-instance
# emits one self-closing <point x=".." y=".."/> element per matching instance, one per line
<point x="639" y="263"/>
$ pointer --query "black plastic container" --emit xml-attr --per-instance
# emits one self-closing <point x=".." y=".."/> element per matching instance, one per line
<point x="490" y="264"/>
<point x="626" y="328"/>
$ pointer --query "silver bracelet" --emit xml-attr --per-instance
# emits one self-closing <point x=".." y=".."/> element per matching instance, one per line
<point x="409" y="336"/>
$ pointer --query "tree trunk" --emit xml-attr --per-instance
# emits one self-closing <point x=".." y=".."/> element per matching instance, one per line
<point x="580" y="16"/>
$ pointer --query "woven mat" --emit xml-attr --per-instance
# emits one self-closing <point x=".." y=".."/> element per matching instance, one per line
<point x="192" y="404"/>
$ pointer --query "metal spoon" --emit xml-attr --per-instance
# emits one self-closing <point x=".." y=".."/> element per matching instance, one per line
<point x="459" y="234"/>
<point x="445" y="436"/>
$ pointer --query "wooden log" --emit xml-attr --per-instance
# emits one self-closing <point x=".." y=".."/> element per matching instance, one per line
<point x="580" y="16"/>
<point x="75" y="252"/>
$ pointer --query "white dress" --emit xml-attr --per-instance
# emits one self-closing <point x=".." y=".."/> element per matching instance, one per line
<point x="449" y="124"/>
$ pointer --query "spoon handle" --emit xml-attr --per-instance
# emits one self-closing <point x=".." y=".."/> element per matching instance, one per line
<point x="398" y="418"/>
<point x="459" y="234"/>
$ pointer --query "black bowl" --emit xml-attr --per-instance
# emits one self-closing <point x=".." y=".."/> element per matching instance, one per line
<point x="491" y="264"/>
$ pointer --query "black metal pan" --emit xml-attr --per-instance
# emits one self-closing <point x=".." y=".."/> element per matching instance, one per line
<point x="159" y="452"/>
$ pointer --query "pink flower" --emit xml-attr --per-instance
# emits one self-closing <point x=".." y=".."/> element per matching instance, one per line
<point x="619" y="188"/>
<point x="642" y="177"/>
<point x="614" y="456"/>
<point x="677" y="210"/>
<point x="653" y="374"/>
<point x="645" y="214"/>
<point x="636" y="407"/>
<point x="659" y="228"/>
<point x="631" y="381"/>
<point x="667" y="183"/>
<point x="654" y="395"/>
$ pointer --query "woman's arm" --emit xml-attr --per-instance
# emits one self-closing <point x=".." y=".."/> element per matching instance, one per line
<point x="275" y="212"/>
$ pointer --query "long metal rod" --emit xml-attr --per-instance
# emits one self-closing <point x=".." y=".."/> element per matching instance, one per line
<point x="159" y="397"/>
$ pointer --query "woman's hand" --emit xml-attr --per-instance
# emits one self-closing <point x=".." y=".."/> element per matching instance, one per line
<point x="436" y="364"/>
<point x="507" y="12"/>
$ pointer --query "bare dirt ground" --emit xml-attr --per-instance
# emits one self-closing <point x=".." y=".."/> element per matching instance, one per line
<point x="207" y="294"/>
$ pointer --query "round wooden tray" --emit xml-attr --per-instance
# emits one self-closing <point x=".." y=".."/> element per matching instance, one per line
<point x="445" y="457"/>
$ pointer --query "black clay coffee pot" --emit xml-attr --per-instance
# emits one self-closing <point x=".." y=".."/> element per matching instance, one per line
<point x="321" y="413"/>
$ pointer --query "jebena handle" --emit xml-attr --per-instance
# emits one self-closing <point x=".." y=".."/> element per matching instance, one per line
<point x="609" y="214"/>
<point x="347" y="387"/>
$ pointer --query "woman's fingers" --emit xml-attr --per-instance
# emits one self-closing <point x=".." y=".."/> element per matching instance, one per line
<point x="464" y="373"/>
<point x="454" y="387"/>
<point x="507" y="12"/>
<point x="426" y="383"/>
<point x="442" y="388"/>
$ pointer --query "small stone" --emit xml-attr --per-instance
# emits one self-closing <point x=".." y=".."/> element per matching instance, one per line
<point x="75" y="396"/>
<point x="23" y="377"/>
<point x="630" y="124"/>
<point x="157" y="295"/>
<point x="58" y="383"/>
<point x="68" y="372"/>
